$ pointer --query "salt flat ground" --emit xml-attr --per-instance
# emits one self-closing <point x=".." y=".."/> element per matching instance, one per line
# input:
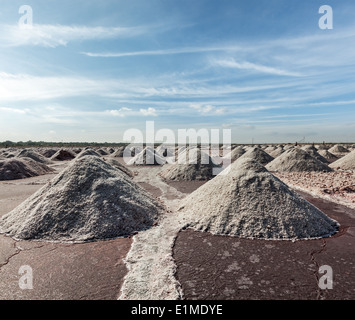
<point x="205" y="266"/>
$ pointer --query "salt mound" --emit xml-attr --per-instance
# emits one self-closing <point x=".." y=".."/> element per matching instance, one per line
<point x="309" y="147"/>
<point x="277" y="152"/>
<point x="315" y="154"/>
<point x="89" y="200"/>
<point x="63" y="155"/>
<point x="147" y="156"/>
<point x="102" y="152"/>
<point x="338" y="149"/>
<point x="236" y="153"/>
<point x="119" y="166"/>
<point x="250" y="202"/>
<point x="198" y="166"/>
<point x="347" y="162"/>
<point x="296" y="160"/>
<point x="27" y="153"/>
<point x="13" y="169"/>
<point x="87" y="152"/>
<point x="257" y="154"/>
<point x="322" y="147"/>
<point x="328" y="155"/>
<point x="118" y="153"/>
<point x="48" y="152"/>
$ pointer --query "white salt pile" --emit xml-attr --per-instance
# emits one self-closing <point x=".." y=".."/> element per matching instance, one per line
<point x="113" y="162"/>
<point x="322" y="147"/>
<point x="63" y="155"/>
<point x="165" y="151"/>
<point x="338" y="149"/>
<point x="48" y="152"/>
<point x="257" y="154"/>
<point x="328" y="155"/>
<point x="12" y="169"/>
<point x="346" y="163"/>
<point x="315" y="154"/>
<point x="27" y="153"/>
<point x="147" y="156"/>
<point x="87" y="152"/>
<point x="296" y="160"/>
<point x="276" y="152"/>
<point x="118" y="153"/>
<point x="89" y="200"/>
<point x="198" y="166"/>
<point x="236" y="153"/>
<point x="250" y="202"/>
<point x="102" y="152"/>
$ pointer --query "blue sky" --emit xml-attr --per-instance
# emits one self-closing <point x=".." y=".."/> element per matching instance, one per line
<point x="89" y="70"/>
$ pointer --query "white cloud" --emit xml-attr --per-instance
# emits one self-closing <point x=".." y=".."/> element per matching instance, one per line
<point x="231" y="63"/>
<point x="148" y="112"/>
<point x="60" y="35"/>
<point x="122" y="112"/>
<point x="208" y="109"/>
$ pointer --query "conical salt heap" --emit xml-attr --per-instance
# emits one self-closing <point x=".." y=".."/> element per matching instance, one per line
<point x="21" y="168"/>
<point x="115" y="163"/>
<point x="118" y="153"/>
<point x="328" y="155"/>
<point x="89" y="200"/>
<point x="277" y="152"/>
<point x="197" y="165"/>
<point x="63" y="155"/>
<point x="147" y="156"/>
<point x="236" y="153"/>
<point x="87" y="152"/>
<point x="338" y="150"/>
<point x="28" y="153"/>
<point x="346" y="163"/>
<point x="250" y="202"/>
<point x="315" y="154"/>
<point x="296" y="160"/>
<point x="257" y="154"/>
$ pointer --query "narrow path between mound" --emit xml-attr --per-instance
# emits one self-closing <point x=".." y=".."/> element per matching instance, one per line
<point x="151" y="274"/>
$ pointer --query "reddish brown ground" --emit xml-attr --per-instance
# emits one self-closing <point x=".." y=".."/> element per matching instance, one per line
<point x="221" y="267"/>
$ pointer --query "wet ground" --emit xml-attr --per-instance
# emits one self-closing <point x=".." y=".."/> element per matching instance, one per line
<point x="220" y="267"/>
<point x="208" y="266"/>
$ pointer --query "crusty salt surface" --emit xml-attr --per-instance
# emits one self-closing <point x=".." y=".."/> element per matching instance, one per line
<point x="20" y="168"/>
<point x="147" y="156"/>
<point x="63" y="155"/>
<point x="87" y="152"/>
<point x="115" y="163"/>
<point x="28" y="153"/>
<point x="198" y="166"/>
<point x="257" y="154"/>
<point x="338" y="148"/>
<point x="296" y="160"/>
<point x="250" y="202"/>
<point x="89" y="200"/>
<point x="347" y="162"/>
<point x="236" y="153"/>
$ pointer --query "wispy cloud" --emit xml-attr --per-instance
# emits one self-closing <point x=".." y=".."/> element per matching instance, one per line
<point x="171" y="51"/>
<point x="149" y="112"/>
<point x="208" y="109"/>
<point x="122" y="112"/>
<point x="60" y="35"/>
<point x="245" y="65"/>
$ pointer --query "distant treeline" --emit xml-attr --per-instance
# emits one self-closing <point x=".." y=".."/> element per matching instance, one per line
<point x="27" y="144"/>
<point x="7" y="144"/>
